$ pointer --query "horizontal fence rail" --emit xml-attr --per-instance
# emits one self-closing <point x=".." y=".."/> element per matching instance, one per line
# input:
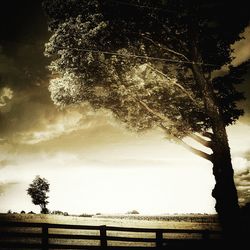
<point x="24" y="235"/>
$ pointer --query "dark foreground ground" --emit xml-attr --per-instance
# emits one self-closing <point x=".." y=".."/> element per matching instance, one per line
<point x="110" y="232"/>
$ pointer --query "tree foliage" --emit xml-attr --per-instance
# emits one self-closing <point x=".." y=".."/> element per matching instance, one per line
<point x="37" y="191"/>
<point x="140" y="91"/>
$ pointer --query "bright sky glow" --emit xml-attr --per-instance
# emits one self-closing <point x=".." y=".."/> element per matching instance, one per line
<point x="146" y="173"/>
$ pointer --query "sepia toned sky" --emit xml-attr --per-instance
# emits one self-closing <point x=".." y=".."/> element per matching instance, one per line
<point x="91" y="162"/>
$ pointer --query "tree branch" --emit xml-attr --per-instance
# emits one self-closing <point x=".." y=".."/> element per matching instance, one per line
<point x="175" y="138"/>
<point x="165" y="48"/>
<point x="175" y="84"/>
<point x="208" y="135"/>
<point x="155" y="113"/>
<point x="198" y="152"/>
<point x="201" y="140"/>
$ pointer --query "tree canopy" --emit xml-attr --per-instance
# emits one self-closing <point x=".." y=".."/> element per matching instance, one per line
<point x="135" y="61"/>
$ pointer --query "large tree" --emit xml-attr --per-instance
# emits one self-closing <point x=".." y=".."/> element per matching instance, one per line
<point x="150" y="63"/>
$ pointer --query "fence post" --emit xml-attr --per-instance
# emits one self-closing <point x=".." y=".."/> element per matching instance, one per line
<point x="103" y="236"/>
<point x="159" y="238"/>
<point x="45" y="236"/>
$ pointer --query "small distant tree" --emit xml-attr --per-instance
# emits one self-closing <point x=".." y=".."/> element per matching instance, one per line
<point x="37" y="190"/>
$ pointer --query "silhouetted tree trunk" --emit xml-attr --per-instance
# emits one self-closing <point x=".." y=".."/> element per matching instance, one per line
<point x="44" y="209"/>
<point x="224" y="192"/>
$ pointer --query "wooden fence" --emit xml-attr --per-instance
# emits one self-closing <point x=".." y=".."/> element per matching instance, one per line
<point x="22" y="235"/>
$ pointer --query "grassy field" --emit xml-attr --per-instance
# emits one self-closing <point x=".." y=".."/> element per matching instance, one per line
<point x="180" y="222"/>
<point x="159" y="222"/>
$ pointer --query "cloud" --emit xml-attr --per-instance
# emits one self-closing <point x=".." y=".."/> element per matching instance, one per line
<point x="79" y="139"/>
<point x="30" y="117"/>
<point x="5" y="95"/>
<point x="242" y="182"/>
<point x="242" y="48"/>
<point x="5" y="162"/>
<point x="242" y="178"/>
<point x="64" y="123"/>
<point x="4" y="186"/>
<point x="24" y="96"/>
<point x="240" y="148"/>
<point x="28" y="110"/>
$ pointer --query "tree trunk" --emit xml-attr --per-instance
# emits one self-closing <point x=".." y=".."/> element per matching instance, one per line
<point x="44" y="210"/>
<point x="224" y="192"/>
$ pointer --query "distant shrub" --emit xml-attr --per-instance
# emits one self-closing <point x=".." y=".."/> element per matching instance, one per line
<point x="23" y="212"/>
<point x="133" y="212"/>
<point x="9" y="211"/>
<point x="31" y="212"/>
<point x="57" y="212"/>
<point x="98" y="214"/>
<point x="85" y="215"/>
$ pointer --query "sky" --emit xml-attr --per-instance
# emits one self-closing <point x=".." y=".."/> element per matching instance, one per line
<point x="92" y="163"/>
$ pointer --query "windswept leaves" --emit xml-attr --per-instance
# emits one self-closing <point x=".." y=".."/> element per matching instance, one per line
<point x="105" y="57"/>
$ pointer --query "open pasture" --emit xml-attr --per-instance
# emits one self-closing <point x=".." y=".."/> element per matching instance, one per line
<point x="58" y="232"/>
